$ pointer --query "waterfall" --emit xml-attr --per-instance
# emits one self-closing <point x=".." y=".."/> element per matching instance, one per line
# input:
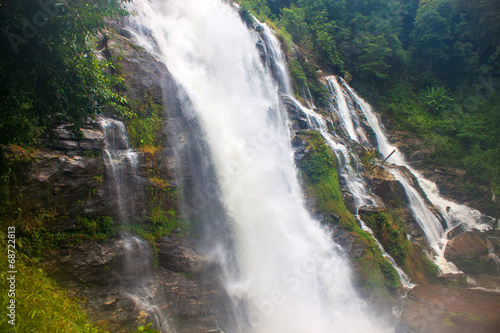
<point x="349" y="118"/>
<point x="452" y="212"/>
<point x="282" y="271"/>
<point x="350" y="174"/>
<point x="121" y="165"/>
<point x="126" y="197"/>
<point x="351" y="177"/>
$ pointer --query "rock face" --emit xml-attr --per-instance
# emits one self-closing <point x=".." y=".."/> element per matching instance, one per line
<point x="349" y="243"/>
<point x="90" y="272"/>
<point x="143" y="73"/>
<point x="178" y="258"/>
<point x="443" y="309"/>
<point x="474" y="253"/>
<point x="64" y="178"/>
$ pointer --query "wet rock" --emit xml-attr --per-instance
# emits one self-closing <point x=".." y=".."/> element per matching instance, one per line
<point x="349" y="200"/>
<point x="126" y="33"/>
<point x="461" y="228"/>
<point x="349" y="243"/>
<point x="387" y="188"/>
<point x="300" y="148"/>
<point x="446" y="309"/>
<point x="452" y="279"/>
<point x="473" y="253"/>
<point x="178" y="258"/>
<point x="90" y="263"/>
<point x="484" y="281"/>
<point x="295" y="113"/>
<point x="144" y="73"/>
<point x="415" y="231"/>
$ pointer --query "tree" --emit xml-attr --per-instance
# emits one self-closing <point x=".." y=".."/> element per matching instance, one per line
<point x="49" y="70"/>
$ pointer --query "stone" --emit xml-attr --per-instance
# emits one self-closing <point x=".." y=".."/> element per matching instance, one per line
<point x="461" y="228"/>
<point x="453" y="279"/>
<point x="294" y="112"/>
<point x="484" y="281"/>
<point x="177" y="258"/>
<point x="145" y="74"/>
<point x="473" y="253"/>
<point x="447" y="309"/>
<point x="350" y="244"/>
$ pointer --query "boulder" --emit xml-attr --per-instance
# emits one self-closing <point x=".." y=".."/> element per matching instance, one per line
<point x="473" y="253"/>
<point x="461" y="228"/>
<point x="453" y="279"/>
<point x="446" y="309"/>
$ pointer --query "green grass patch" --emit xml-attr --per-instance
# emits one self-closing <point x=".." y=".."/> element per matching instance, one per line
<point x="41" y="306"/>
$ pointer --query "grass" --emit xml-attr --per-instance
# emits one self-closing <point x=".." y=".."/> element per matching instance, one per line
<point x="41" y="306"/>
<point x="321" y="181"/>
<point x="389" y="227"/>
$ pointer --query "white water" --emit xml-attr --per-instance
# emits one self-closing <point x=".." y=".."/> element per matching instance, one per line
<point x="289" y="276"/>
<point x="125" y="198"/>
<point x="357" y="186"/>
<point x="348" y="117"/>
<point x="136" y="279"/>
<point x="452" y="212"/>
<point x="121" y="164"/>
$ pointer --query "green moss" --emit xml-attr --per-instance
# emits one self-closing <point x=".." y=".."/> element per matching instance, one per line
<point x="418" y="266"/>
<point x="97" y="227"/>
<point x="146" y="123"/>
<point x="390" y="230"/>
<point x="319" y="173"/>
<point x="389" y="227"/>
<point x="321" y="180"/>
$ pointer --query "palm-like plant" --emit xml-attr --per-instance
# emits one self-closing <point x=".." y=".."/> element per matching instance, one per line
<point x="437" y="99"/>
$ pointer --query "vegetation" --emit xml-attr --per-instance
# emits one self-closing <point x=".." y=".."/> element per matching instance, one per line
<point x="146" y="124"/>
<point x="322" y="186"/>
<point x="50" y="73"/>
<point x="431" y="65"/>
<point x="41" y="306"/>
<point x="389" y="227"/>
<point x="390" y="230"/>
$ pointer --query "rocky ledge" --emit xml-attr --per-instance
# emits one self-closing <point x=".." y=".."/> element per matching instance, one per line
<point x="447" y="309"/>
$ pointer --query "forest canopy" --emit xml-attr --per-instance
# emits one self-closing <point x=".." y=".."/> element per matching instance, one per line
<point x="431" y="66"/>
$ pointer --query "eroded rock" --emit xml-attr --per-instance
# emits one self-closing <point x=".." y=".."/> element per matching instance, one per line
<point x="446" y="309"/>
<point x="473" y="253"/>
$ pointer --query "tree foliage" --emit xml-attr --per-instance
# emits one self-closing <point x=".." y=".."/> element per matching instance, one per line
<point x="394" y="50"/>
<point x="50" y="72"/>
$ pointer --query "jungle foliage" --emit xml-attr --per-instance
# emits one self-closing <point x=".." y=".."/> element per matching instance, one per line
<point x="431" y="65"/>
<point x="50" y="71"/>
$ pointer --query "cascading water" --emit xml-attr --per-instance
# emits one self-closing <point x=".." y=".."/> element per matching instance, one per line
<point x="121" y="164"/>
<point x="452" y="212"/>
<point x="349" y="118"/>
<point x="126" y="197"/>
<point x="355" y="183"/>
<point x="287" y="275"/>
<point x="357" y="186"/>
